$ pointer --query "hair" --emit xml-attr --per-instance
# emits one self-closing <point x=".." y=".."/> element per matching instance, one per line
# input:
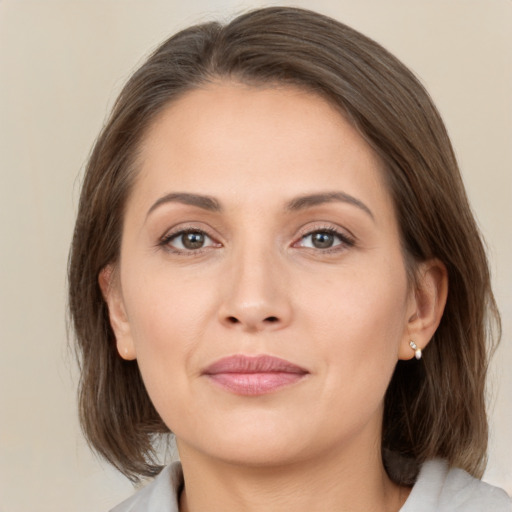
<point x="433" y="408"/>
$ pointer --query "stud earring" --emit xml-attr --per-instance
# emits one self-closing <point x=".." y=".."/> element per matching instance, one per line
<point x="417" y="350"/>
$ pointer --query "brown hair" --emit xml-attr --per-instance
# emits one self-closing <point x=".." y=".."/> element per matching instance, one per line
<point x="433" y="408"/>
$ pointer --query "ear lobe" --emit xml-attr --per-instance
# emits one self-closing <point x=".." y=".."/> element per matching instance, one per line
<point x="427" y="306"/>
<point x="111" y="290"/>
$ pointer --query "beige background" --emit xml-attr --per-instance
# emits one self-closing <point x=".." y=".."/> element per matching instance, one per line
<point x="61" y="66"/>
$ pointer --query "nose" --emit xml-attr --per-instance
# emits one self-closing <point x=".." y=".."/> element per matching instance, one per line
<point x="256" y="293"/>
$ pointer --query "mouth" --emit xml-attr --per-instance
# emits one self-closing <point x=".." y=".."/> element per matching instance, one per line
<point x="253" y="375"/>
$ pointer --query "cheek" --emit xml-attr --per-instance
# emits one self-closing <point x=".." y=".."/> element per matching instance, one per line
<point x="368" y="301"/>
<point x="360" y="354"/>
<point x="167" y="315"/>
<point x="164" y="305"/>
<point x="358" y="326"/>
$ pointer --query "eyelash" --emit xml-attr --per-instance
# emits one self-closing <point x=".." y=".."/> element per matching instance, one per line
<point x="346" y="241"/>
<point x="168" y="238"/>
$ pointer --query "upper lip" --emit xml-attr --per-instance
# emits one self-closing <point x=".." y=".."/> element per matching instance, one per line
<point x="252" y="364"/>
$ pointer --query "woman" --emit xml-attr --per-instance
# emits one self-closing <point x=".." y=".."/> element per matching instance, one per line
<point x="274" y="259"/>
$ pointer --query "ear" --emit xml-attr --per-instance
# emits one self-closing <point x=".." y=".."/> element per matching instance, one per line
<point x="111" y="290"/>
<point x="426" y="307"/>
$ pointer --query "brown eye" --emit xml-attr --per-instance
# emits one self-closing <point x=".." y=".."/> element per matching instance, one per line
<point x="322" y="240"/>
<point x="188" y="240"/>
<point x="193" y="240"/>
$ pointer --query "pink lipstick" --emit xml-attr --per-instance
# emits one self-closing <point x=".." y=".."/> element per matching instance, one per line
<point x="253" y="375"/>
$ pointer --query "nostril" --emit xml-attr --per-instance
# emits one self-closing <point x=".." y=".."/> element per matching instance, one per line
<point x="234" y="320"/>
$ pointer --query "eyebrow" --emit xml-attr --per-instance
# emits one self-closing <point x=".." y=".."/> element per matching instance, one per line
<point x="308" y="201"/>
<point x="299" y="203"/>
<point x="205" y="202"/>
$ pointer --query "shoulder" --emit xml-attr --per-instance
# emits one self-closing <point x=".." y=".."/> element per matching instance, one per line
<point x="443" y="489"/>
<point x="161" y="495"/>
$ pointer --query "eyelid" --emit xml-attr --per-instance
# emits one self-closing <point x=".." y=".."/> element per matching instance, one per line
<point x="347" y="239"/>
<point x="181" y="229"/>
<point x="312" y="227"/>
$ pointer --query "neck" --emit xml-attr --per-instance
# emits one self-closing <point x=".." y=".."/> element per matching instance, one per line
<point x="331" y="482"/>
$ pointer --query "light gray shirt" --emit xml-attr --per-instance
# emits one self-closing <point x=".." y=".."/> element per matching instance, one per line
<point x="437" y="489"/>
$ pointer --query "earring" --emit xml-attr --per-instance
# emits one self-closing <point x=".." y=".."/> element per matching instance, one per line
<point x="417" y="350"/>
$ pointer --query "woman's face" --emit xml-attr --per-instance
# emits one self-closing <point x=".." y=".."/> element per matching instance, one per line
<point x="262" y="286"/>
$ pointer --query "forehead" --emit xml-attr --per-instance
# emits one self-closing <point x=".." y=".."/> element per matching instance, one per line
<point x="233" y="137"/>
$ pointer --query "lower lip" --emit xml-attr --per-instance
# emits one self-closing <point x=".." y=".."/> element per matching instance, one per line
<point x="255" y="383"/>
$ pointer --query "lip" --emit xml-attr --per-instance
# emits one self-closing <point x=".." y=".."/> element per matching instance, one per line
<point x="253" y="375"/>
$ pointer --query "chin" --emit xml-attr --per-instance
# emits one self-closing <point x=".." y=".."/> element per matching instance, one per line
<point x="264" y="453"/>
<point x="252" y="442"/>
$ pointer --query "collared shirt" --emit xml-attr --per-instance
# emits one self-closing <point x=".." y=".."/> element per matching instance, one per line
<point x="437" y="489"/>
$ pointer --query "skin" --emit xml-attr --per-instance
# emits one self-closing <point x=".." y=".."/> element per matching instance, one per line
<point x="260" y="285"/>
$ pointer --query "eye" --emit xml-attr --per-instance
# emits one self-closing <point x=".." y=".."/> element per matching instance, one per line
<point x="324" y="239"/>
<point x="188" y="240"/>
